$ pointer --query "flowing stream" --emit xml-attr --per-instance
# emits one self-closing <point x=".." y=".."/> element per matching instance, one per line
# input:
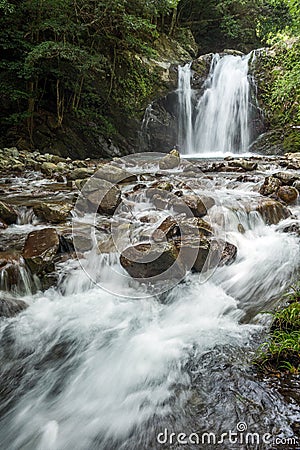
<point x="220" y="120"/>
<point x="85" y="369"/>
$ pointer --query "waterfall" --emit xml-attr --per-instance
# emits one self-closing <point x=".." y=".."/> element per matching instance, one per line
<point x="185" y="107"/>
<point x="220" y="120"/>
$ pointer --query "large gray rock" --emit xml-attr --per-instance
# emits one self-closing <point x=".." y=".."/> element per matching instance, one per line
<point x="150" y="260"/>
<point x="114" y="174"/>
<point x="103" y="196"/>
<point x="170" y="161"/>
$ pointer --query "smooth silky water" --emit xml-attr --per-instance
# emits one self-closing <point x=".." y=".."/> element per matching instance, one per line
<point x="86" y="369"/>
<point x="220" y="120"/>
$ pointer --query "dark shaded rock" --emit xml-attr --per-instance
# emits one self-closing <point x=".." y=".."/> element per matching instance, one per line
<point x="40" y="248"/>
<point x="229" y="254"/>
<point x="163" y="185"/>
<point x="8" y="213"/>
<point x="53" y="212"/>
<point x="10" y="307"/>
<point x="3" y="225"/>
<point x="270" y="186"/>
<point x="167" y="230"/>
<point x="287" y="194"/>
<point x="145" y="261"/>
<point x="272" y="211"/>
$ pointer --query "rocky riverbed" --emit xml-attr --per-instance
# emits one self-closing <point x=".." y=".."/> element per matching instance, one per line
<point x="188" y="253"/>
<point x="144" y="203"/>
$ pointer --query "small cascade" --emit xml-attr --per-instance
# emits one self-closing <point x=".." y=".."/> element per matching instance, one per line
<point x="220" y="121"/>
<point x="15" y="276"/>
<point x="26" y="216"/>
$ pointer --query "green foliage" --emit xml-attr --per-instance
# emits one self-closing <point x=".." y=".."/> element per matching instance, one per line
<point x="280" y="91"/>
<point x="72" y="57"/>
<point x="282" y="351"/>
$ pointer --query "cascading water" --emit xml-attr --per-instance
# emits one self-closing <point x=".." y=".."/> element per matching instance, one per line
<point x="220" y="121"/>
<point x="84" y="369"/>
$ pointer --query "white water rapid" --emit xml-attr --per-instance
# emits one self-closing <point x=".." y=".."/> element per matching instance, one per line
<point x="84" y="369"/>
<point x="219" y="122"/>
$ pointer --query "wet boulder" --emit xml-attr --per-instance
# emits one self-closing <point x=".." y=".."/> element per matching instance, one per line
<point x="114" y="174"/>
<point x="100" y="196"/>
<point x="170" y="161"/>
<point x="272" y="211"/>
<point x="244" y="164"/>
<point x="8" y="214"/>
<point x="270" y="186"/>
<point x="195" y="204"/>
<point x="10" y="307"/>
<point x="150" y="260"/>
<point x="53" y="212"/>
<point x="206" y="253"/>
<point x="80" y="173"/>
<point x="287" y="178"/>
<point x="40" y="249"/>
<point x="287" y="194"/>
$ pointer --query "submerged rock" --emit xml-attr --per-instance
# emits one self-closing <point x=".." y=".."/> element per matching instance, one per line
<point x="41" y="246"/>
<point x="7" y="213"/>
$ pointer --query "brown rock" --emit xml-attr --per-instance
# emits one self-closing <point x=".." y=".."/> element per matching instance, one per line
<point x="53" y="212"/>
<point x="287" y="194"/>
<point x="102" y="195"/>
<point x="144" y="261"/>
<point x="270" y="186"/>
<point x="40" y="248"/>
<point x="115" y="174"/>
<point x="7" y="213"/>
<point x="272" y="211"/>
